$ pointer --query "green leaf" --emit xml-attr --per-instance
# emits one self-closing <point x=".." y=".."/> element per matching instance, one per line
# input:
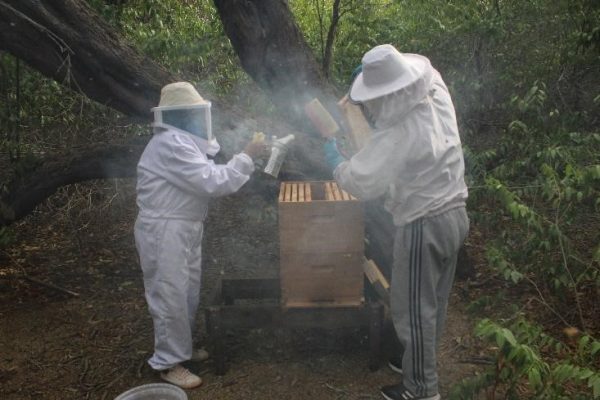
<point x="535" y="378"/>
<point x="583" y="342"/>
<point x="585" y="374"/>
<point x="595" y="348"/>
<point x="509" y="336"/>
<point x="596" y="388"/>
<point x="596" y="255"/>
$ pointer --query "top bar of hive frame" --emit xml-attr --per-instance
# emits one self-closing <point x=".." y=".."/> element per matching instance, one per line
<point x="336" y="191"/>
<point x="301" y="192"/>
<point x="328" y="192"/>
<point x="282" y="192"/>
<point x="288" y="193"/>
<point x="308" y="192"/>
<point x="294" y="192"/>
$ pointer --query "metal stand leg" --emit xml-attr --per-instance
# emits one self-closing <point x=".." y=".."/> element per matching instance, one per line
<point x="375" y="334"/>
<point x="213" y="325"/>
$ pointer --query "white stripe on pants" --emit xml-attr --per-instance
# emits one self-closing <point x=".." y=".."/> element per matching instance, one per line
<point x="425" y="253"/>
<point x="171" y="259"/>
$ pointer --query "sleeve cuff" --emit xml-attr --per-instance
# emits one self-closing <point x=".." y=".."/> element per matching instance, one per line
<point x="243" y="163"/>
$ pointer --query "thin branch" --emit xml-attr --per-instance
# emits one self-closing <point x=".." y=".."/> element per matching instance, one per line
<point x="48" y="285"/>
<point x="55" y="38"/>
<point x="565" y="263"/>
<point x="23" y="275"/>
<point x="544" y="302"/>
<point x="321" y="28"/>
<point x="64" y="48"/>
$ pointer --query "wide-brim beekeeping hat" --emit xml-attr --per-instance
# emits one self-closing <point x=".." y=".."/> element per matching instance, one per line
<point x="384" y="71"/>
<point x="179" y="95"/>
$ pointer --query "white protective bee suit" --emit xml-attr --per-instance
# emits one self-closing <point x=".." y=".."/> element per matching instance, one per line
<point x="414" y="159"/>
<point x="175" y="183"/>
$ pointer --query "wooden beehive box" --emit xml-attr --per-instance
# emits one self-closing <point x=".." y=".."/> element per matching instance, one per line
<point x="321" y="232"/>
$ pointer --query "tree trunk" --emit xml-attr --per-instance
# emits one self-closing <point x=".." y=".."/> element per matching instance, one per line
<point x="328" y="53"/>
<point x="274" y="53"/>
<point x="67" y="41"/>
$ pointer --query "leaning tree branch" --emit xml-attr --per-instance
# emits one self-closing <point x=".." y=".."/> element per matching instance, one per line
<point x="273" y="51"/>
<point x="67" y="41"/>
<point x="79" y="164"/>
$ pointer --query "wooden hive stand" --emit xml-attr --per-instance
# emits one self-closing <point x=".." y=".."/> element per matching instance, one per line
<point x="321" y="281"/>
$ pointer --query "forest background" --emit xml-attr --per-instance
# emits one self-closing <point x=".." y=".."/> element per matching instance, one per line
<point x="525" y="80"/>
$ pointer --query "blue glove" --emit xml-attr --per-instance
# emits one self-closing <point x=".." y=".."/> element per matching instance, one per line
<point x="332" y="154"/>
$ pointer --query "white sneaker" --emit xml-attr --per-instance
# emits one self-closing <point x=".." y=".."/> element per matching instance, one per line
<point x="199" y="355"/>
<point x="182" y="377"/>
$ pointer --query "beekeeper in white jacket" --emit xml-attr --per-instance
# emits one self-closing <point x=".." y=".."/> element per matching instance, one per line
<point x="175" y="181"/>
<point x="414" y="159"/>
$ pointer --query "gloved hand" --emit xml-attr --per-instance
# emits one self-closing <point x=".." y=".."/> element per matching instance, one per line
<point x="332" y="154"/>
<point x="256" y="149"/>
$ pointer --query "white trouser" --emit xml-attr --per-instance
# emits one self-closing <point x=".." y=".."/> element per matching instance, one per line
<point x="170" y="256"/>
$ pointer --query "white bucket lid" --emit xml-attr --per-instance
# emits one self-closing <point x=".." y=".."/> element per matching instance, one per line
<point x="153" y="391"/>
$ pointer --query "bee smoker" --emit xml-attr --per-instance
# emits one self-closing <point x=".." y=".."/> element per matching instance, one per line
<point x="279" y="150"/>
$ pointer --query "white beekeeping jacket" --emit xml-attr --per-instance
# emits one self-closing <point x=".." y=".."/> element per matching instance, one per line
<point x="414" y="156"/>
<point x="175" y="179"/>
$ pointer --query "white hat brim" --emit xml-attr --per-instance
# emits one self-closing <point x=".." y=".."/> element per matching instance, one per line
<point x="359" y="92"/>
<point x="203" y="104"/>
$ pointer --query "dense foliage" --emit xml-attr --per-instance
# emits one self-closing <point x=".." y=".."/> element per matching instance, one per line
<point x="526" y="84"/>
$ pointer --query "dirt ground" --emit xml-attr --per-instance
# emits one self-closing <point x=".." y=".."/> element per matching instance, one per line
<point x="94" y="343"/>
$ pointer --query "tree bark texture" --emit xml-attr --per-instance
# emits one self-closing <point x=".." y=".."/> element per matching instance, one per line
<point x="94" y="162"/>
<point x="273" y="51"/>
<point x="67" y="41"/>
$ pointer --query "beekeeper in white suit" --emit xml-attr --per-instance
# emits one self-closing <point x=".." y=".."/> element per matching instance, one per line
<point x="414" y="159"/>
<point x="175" y="181"/>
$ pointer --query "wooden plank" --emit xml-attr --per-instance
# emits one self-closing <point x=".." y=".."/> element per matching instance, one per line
<point x="282" y="192"/>
<point x="325" y="317"/>
<point x="251" y="288"/>
<point x="328" y="192"/>
<point x="359" y="129"/>
<point x="294" y="192"/>
<point x="332" y="186"/>
<point x="257" y="316"/>
<point x="321" y="226"/>
<point x="288" y="192"/>
<point x="321" y="212"/>
<point x="336" y="191"/>
<point x="247" y="316"/>
<point x="321" y="304"/>
<point x="322" y="278"/>
<point x="301" y="190"/>
<point x="377" y="280"/>
<point x="345" y="195"/>
<point x="321" y="238"/>
<point x="308" y="192"/>
<point x="321" y="118"/>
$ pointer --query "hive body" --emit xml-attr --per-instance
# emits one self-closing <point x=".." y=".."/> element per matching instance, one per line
<point x="321" y="232"/>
